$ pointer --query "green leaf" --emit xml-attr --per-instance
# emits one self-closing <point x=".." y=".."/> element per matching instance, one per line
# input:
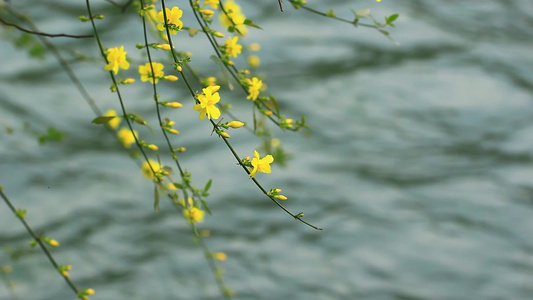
<point x="52" y="135"/>
<point x="391" y="18"/>
<point x="250" y="23"/>
<point x="178" y="185"/>
<point x="102" y="119"/>
<point x="208" y="185"/>
<point x="204" y="205"/>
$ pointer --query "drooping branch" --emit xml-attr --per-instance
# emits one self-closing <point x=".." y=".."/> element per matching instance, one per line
<point x="45" y="34"/>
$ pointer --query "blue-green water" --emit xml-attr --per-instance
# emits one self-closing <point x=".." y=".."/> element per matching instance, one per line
<point x="419" y="166"/>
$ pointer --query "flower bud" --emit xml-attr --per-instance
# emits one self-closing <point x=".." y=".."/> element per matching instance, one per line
<point x="171" y="78"/>
<point x="128" y="81"/>
<point x="207" y="13"/>
<point x="235" y="124"/>
<point x="174" y="104"/>
<point x="164" y="47"/>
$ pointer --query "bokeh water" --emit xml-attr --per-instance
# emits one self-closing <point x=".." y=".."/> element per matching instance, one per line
<point x="419" y="166"/>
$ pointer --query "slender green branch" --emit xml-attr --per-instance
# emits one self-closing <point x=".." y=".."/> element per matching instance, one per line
<point x="43" y="33"/>
<point x="123" y="108"/>
<point x="37" y="239"/>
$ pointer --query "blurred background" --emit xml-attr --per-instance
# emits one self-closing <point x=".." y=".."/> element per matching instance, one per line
<point x="419" y="165"/>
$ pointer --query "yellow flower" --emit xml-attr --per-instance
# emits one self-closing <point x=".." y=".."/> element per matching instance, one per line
<point x="126" y="136"/>
<point x="260" y="164"/>
<point x="275" y="142"/>
<point x="146" y="72"/>
<point x="254" y="86"/>
<point x="212" y="3"/>
<point x="232" y="48"/>
<point x="253" y="61"/>
<point x="173" y="20"/>
<point x="234" y="12"/>
<point x="211" y="80"/>
<point x="220" y="256"/>
<point x="194" y="215"/>
<point x="207" y="103"/>
<point x="113" y="123"/>
<point x="147" y="172"/>
<point x="116" y="57"/>
<point x="254" y="47"/>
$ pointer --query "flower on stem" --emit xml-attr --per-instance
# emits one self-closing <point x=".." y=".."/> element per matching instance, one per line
<point x="127" y="81"/>
<point x="146" y="72"/>
<point x="254" y="87"/>
<point x="113" y="123"/>
<point x="167" y="126"/>
<point x="220" y="256"/>
<point x="171" y="77"/>
<point x="232" y="48"/>
<point x="212" y="3"/>
<point x="164" y="47"/>
<point x="50" y="241"/>
<point x="260" y="164"/>
<point x="147" y="171"/>
<point x="207" y="13"/>
<point x="116" y="58"/>
<point x="84" y="295"/>
<point x="126" y="136"/>
<point x="235" y="124"/>
<point x="287" y="123"/>
<point x="63" y="269"/>
<point x="234" y="13"/>
<point x="207" y="103"/>
<point x="209" y="81"/>
<point x="193" y="215"/>
<point x="173" y="20"/>
<point x="172" y="104"/>
<point x="254" y="61"/>
<point x="276" y="194"/>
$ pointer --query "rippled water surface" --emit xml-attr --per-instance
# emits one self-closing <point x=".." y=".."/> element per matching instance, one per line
<point x="419" y="166"/>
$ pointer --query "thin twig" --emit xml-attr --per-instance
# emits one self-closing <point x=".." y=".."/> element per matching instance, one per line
<point x="46" y="34"/>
